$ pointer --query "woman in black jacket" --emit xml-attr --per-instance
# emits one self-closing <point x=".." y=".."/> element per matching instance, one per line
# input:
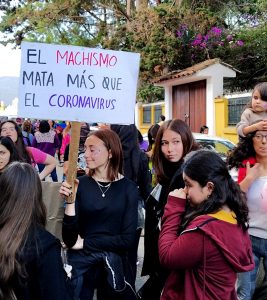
<point x="135" y="167"/>
<point x="30" y="261"/>
<point x="173" y="141"/>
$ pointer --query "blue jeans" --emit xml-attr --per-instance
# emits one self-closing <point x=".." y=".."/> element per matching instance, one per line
<point x="53" y="173"/>
<point x="246" y="282"/>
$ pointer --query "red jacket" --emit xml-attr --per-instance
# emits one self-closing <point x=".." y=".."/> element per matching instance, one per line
<point x="205" y="258"/>
<point x="243" y="171"/>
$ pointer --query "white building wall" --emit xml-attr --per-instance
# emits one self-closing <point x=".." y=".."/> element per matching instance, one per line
<point x="213" y="75"/>
<point x="168" y="102"/>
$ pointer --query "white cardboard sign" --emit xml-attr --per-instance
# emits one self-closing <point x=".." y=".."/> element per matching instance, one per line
<point x="77" y="84"/>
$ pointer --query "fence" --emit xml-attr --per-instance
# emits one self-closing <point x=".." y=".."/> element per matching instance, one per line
<point x="236" y="105"/>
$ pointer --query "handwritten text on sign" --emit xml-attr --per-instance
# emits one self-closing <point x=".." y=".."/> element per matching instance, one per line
<point x="77" y="84"/>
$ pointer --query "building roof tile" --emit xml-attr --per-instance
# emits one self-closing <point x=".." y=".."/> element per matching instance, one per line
<point x="191" y="70"/>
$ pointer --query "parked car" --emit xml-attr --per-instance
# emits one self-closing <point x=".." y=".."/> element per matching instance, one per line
<point x="218" y="144"/>
<point x="215" y="143"/>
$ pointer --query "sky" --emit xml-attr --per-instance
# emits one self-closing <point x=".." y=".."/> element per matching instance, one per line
<point x="9" y="61"/>
<point x="9" y="58"/>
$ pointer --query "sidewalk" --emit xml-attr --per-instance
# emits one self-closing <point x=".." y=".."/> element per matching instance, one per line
<point x="140" y="280"/>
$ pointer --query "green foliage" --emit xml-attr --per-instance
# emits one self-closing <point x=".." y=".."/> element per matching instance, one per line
<point x="168" y="37"/>
<point x="150" y="93"/>
<point x="251" y="60"/>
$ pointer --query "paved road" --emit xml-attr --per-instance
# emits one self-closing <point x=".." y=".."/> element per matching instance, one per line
<point x="140" y="280"/>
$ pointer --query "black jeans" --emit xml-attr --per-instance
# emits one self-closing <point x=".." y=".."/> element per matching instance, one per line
<point x="90" y="273"/>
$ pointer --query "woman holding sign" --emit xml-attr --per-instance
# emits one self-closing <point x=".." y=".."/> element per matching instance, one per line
<point x="99" y="228"/>
<point x="28" y="154"/>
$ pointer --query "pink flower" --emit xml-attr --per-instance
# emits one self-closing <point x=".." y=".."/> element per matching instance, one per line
<point x="240" y="43"/>
<point x="196" y="42"/>
<point x="216" y="31"/>
<point x="179" y="33"/>
<point x="229" y="37"/>
<point x="206" y="37"/>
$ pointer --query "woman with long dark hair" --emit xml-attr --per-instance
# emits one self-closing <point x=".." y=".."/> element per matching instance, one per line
<point x="30" y="261"/>
<point x="8" y="152"/>
<point x="27" y="154"/>
<point x="204" y="240"/>
<point x="173" y="142"/>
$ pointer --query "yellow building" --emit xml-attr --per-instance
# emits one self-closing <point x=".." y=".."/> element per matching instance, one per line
<point x="227" y="114"/>
<point x="149" y="114"/>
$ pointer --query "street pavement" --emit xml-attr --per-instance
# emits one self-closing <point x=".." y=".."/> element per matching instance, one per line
<point x="140" y="280"/>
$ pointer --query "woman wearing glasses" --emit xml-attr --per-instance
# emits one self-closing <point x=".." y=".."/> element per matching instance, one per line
<point x="99" y="228"/>
<point x="250" y="157"/>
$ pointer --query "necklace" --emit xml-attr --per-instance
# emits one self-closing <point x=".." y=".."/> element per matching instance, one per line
<point x="103" y="186"/>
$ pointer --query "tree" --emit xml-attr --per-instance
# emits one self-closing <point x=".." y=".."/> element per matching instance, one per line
<point x="169" y="34"/>
<point x="77" y="22"/>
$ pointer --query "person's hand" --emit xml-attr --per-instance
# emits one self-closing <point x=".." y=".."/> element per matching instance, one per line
<point x="66" y="189"/>
<point x="253" y="172"/>
<point x="262" y="125"/>
<point x="79" y="244"/>
<point x="178" y="193"/>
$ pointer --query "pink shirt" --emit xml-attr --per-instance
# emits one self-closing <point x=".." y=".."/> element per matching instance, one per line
<point x="65" y="142"/>
<point x="38" y="156"/>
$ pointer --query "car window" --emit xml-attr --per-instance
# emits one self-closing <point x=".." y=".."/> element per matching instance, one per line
<point x="219" y="146"/>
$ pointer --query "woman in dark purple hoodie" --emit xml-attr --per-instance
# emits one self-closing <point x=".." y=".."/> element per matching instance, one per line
<point x="204" y="239"/>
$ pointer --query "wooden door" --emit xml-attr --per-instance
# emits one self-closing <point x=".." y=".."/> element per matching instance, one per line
<point x="189" y="104"/>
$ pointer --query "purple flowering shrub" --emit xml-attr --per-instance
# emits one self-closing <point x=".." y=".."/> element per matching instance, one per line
<point x="211" y="44"/>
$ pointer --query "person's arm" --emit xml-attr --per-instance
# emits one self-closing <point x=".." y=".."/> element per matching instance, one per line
<point x="178" y="251"/>
<point x="50" y="164"/>
<point x="41" y="157"/>
<point x="262" y="125"/>
<point x="244" y="127"/>
<point x="252" y="173"/>
<point x="70" y="232"/>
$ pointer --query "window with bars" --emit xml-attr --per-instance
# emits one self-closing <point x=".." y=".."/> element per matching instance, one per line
<point x="157" y="113"/>
<point x="146" y="114"/>
<point x="235" y="108"/>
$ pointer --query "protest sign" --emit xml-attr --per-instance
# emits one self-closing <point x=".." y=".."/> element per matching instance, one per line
<point x="77" y="84"/>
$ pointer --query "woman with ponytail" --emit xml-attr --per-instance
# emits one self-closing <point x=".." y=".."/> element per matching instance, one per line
<point x="204" y="240"/>
<point x="30" y="262"/>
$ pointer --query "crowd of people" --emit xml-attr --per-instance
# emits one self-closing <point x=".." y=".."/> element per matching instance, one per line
<point x="205" y="235"/>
